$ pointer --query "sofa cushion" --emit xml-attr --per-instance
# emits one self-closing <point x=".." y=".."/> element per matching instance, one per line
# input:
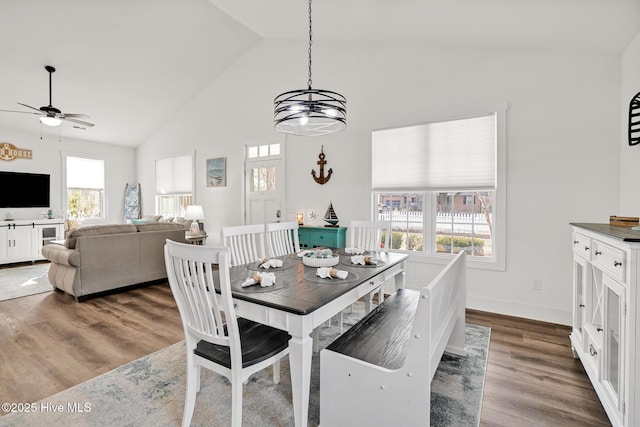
<point x="97" y="230"/>
<point x="186" y="223"/>
<point x="158" y="226"/>
<point x="152" y="218"/>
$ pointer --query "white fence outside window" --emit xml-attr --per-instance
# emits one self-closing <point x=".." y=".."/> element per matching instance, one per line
<point x="463" y="223"/>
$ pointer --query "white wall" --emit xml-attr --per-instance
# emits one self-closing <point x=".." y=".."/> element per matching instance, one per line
<point x="629" y="155"/>
<point x="563" y="133"/>
<point x="119" y="163"/>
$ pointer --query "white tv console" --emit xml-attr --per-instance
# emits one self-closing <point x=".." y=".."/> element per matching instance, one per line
<point x="22" y="240"/>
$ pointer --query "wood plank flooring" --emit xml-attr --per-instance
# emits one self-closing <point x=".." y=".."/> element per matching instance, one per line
<point x="532" y="378"/>
<point x="48" y="343"/>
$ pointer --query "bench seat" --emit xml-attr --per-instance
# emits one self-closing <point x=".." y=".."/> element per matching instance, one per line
<point x="379" y="373"/>
<point x="382" y="336"/>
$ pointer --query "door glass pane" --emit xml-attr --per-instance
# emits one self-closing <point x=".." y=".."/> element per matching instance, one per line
<point x="596" y="301"/>
<point x="613" y="339"/>
<point x="263" y="179"/>
<point x="579" y="302"/>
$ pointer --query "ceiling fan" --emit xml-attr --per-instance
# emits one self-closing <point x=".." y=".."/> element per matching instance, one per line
<point x="49" y="115"/>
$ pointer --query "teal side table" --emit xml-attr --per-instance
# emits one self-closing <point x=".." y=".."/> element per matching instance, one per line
<point x="312" y="237"/>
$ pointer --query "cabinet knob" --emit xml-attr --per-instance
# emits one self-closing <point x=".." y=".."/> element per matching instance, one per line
<point x="598" y="252"/>
<point x="616" y="263"/>
<point x="575" y="242"/>
<point x="592" y="350"/>
<point x="586" y="248"/>
<point x="581" y="306"/>
<point x="599" y="329"/>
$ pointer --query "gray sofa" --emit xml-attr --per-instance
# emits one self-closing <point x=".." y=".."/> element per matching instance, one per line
<point x="101" y="258"/>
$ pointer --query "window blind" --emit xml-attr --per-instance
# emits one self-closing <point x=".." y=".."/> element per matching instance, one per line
<point x="174" y="175"/>
<point x="455" y="154"/>
<point x="85" y="173"/>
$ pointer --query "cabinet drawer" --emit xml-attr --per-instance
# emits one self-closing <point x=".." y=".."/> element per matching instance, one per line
<point x="370" y="286"/>
<point x="591" y="358"/>
<point x="609" y="259"/>
<point x="582" y="245"/>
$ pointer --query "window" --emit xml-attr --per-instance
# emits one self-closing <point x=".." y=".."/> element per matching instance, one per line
<point x="262" y="175"/>
<point x="263" y="150"/>
<point x="174" y="185"/>
<point x="85" y="188"/>
<point x="440" y="184"/>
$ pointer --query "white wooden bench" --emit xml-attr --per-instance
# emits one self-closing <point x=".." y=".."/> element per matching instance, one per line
<point x="379" y="372"/>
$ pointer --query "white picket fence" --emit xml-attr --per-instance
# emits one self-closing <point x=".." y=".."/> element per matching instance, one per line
<point x="462" y="223"/>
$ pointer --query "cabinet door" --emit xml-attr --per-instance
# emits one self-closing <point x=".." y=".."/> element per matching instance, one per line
<point x="304" y="237"/>
<point x="20" y="242"/>
<point x="4" y="243"/>
<point x="594" y="300"/>
<point x="45" y="234"/>
<point x="581" y="280"/>
<point x="614" y="341"/>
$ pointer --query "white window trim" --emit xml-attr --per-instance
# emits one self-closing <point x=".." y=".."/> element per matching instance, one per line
<point x="498" y="262"/>
<point x="65" y="200"/>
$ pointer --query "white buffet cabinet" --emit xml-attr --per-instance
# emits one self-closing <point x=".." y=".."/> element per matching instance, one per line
<point x="22" y="240"/>
<point x="606" y="331"/>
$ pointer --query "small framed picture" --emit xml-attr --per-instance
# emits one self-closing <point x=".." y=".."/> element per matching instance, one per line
<point x="217" y="172"/>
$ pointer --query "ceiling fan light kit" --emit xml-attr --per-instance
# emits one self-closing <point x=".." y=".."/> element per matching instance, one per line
<point x="50" y="115"/>
<point x="310" y="112"/>
<point x="50" y="121"/>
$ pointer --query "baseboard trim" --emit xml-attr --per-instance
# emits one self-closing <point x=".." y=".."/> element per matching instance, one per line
<point x="527" y="311"/>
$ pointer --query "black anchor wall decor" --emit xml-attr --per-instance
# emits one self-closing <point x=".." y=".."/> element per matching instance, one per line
<point x="321" y="179"/>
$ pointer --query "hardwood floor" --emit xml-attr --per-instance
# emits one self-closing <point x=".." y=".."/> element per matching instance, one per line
<point x="48" y="343"/>
<point x="532" y="378"/>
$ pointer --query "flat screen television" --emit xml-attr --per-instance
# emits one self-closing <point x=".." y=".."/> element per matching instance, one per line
<point x="24" y="190"/>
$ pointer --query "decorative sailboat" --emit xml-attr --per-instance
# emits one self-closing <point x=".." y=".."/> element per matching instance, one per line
<point x="331" y="217"/>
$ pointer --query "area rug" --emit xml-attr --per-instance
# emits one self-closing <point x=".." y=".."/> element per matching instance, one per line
<point x="150" y="392"/>
<point x="24" y="280"/>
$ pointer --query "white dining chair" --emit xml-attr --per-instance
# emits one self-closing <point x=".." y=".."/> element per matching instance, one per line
<point x="282" y="238"/>
<point x="214" y="337"/>
<point x="245" y="242"/>
<point x="372" y="236"/>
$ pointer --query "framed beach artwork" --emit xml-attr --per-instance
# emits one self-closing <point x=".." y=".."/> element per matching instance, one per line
<point x="217" y="172"/>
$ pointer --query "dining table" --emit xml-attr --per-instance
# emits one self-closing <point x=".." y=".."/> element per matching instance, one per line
<point x="299" y="301"/>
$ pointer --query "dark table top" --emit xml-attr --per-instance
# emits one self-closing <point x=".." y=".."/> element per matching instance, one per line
<point x="298" y="290"/>
<point x="619" y="232"/>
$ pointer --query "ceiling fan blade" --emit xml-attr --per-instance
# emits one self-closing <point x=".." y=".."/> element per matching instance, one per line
<point x="24" y="112"/>
<point x="75" y="115"/>
<point x="80" y="122"/>
<point x="29" y="106"/>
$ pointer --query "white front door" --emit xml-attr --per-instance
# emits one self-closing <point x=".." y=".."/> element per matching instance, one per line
<point x="264" y="184"/>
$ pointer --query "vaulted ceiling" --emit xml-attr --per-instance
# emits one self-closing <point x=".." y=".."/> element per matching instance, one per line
<point x="132" y="64"/>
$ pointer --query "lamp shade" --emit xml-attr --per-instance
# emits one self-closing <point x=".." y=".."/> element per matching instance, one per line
<point x="194" y="212"/>
<point x="50" y="121"/>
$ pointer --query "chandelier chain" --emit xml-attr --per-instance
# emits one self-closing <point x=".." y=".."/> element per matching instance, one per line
<point x="310" y="43"/>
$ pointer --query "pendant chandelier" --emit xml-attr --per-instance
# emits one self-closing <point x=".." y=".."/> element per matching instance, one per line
<point x="310" y="112"/>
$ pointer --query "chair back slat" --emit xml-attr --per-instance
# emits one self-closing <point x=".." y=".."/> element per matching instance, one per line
<point x="370" y="235"/>
<point x="245" y="242"/>
<point x="193" y="277"/>
<point x="282" y="238"/>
